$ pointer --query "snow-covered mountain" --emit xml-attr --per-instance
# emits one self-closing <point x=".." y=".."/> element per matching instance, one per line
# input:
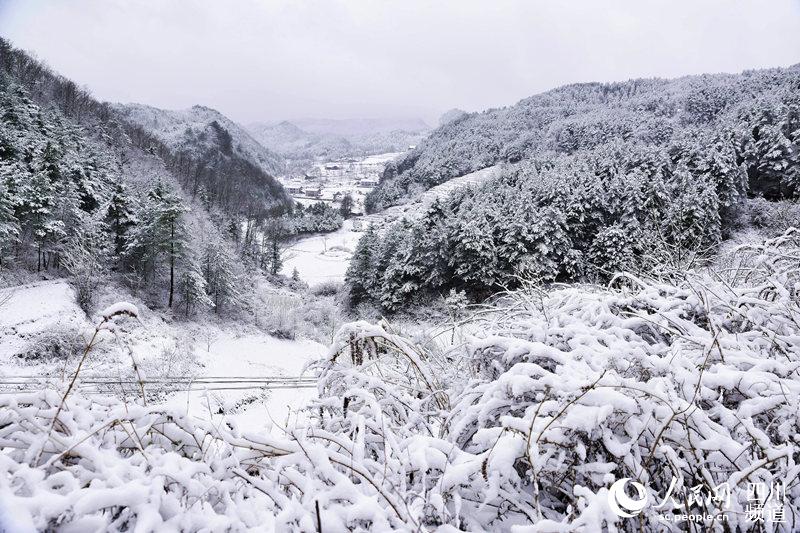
<point x="292" y="142"/>
<point x="306" y="139"/>
<point x="199" y="128"/>
<point x="657" y="114"/>
<point x="354" y="127"/>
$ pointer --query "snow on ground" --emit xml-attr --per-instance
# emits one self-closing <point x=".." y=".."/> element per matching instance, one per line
<point x="27" y="310"/>
<point x="472" y="179"/>
<point x="250" y="356"/>
<point x="323" y="257"/>
<point x="162" y="349"/>
<point x="417" y="208"/>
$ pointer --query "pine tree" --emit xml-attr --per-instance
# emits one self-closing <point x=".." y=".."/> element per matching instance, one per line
<point x="361" y="275"/>
<point x="161" y="232"/>
<point x="474" y="257"/>
<point x="223" y="280"/>
<point x="120" y="217"/>
<point x="170" y="219"/>
<point x="9" y="225"/>
<point x="405" y="272"/>
<point x="772" y="155"/>
<point x="346" y="206"/>
<point x="692" y="221"/>
<point x="192" y="286"/>
<point x="434" y="245"/>
<point x="273" y="244"/>
<point x="391" y="243"/>
<point x="38" y="206"/>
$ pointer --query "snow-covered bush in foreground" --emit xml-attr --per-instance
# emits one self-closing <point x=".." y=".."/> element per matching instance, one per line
<point x="525" y="427"/>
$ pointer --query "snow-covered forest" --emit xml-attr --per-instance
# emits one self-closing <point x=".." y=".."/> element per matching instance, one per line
<point x="580" y="312"/>
<point x="593" y="179"/>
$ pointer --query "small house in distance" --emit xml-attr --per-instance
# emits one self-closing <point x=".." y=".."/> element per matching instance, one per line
<point x="368" y="182"/>
<point x="314" y="193"/>
<point x="294" y="189"/>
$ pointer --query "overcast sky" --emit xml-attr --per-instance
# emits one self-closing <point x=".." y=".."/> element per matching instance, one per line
<point x="266" y="60"/>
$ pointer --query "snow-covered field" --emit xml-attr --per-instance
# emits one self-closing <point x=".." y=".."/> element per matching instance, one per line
<point x="246" y="357"/>
<point x="29" y="309"/>
<point x="529" y="427"/>
<point x="325" y="257"/>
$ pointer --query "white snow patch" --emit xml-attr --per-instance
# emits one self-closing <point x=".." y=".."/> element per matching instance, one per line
<point x="27" y="310"/>
<point x="248" y="357"/>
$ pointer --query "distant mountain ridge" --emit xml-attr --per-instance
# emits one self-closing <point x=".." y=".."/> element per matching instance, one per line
<point x="309" y="139"/>
<point x="360" y="126"/>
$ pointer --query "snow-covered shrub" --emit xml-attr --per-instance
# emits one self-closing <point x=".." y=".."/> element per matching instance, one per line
<point x="326" y="288"/>
<point x="773" y="217"/>
<point x="679" y="386"/>
<point x="273" y="313"/>
<point x="317" y="318"/>
<point x="55" y="345"/>
<point x="84" y="259"/>
<point x="615" y="249"/>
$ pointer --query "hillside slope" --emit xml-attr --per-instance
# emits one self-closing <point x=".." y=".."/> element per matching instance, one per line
<point x="575" y="118"/>
<point x="87" y="194"/>
<point x="218" y="158"/>
<point x="200" y="128"/>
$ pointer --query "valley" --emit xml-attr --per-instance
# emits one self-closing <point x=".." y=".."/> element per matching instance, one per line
<point x="326" y="257"/>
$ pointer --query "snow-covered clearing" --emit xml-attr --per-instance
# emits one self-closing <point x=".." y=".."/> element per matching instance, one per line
<point x="29" y="309"/>
<point x="37" y="316"/>
<point x="685" y="385"/>
<point x="246" y="357"/>
<point x="323" y="257"/>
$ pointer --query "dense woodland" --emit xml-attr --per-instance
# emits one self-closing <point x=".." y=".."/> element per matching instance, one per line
<point x="595" y="178"/>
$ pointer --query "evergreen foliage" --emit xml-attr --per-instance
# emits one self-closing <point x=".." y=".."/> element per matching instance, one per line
<point x="570" y="218"/>
<point x="593" y="179"/>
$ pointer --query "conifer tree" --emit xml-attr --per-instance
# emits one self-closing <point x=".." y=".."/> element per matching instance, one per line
<point x="120" y="217"/>
<point x="273" y="244"/>
<point x="161" y="233"/>
<point x="9" y="225"/>
<point x="192" y="286"/>
<point x="223" y="279"/>
<point x="361" y="275"/>
<point x="346" y="206"/>
<point x="38" y="204"/>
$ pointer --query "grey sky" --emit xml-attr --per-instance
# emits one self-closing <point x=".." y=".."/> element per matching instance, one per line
<point x="264" y="59"/>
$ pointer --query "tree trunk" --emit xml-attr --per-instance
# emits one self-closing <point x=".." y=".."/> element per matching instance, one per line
<point x="171" y="263"/>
